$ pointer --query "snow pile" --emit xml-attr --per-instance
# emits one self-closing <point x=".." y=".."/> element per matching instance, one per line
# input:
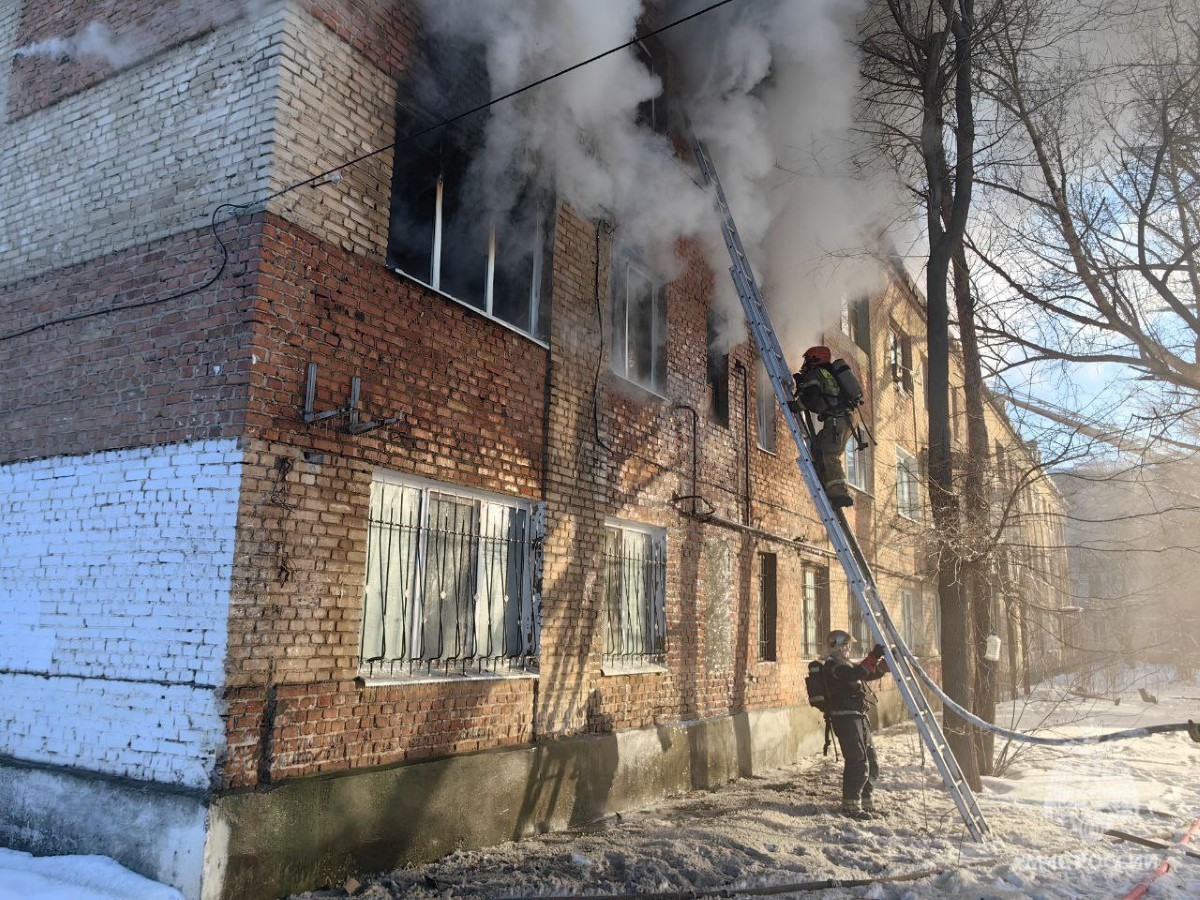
<point x="26" y="877"/>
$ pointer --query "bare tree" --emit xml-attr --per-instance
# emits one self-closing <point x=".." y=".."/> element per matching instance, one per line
<point x="1094" y="193"/>
<point x="919" y="105"/>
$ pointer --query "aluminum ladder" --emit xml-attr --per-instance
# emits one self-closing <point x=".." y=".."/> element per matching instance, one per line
<point x="858" y="572"/>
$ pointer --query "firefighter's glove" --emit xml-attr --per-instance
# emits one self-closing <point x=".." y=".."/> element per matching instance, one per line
<point x="877" y="651"/>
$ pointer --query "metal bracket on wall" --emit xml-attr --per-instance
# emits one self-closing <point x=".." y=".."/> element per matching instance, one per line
<point x="350" y="410"/>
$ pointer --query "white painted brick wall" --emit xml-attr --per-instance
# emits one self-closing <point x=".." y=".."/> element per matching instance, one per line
<point x="115" y="574"/>
<point x="148" y="152"/>
<point x="10" y="20"/>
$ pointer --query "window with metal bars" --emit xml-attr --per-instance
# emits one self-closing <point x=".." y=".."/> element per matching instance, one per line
<point x="816" y="609"/>
<point x="635" y="589"/>
<point x="768" y="605"/>
<point x="451" y="582"/>
<point x="908" y="486"/>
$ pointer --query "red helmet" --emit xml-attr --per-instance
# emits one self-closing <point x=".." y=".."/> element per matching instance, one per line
<point x="817" y="355"/>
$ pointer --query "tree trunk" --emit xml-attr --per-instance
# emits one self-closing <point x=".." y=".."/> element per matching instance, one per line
<point x="956" y="659"/>
<point x="975" y="524"/>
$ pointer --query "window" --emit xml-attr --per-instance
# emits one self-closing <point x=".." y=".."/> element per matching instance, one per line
<point x="450" y="581"/>
<point x="639" y="351"/>
<point x="768" y="605"/>
<point x="718" y="374"/>
<point x="635" y="588"/>
<point x="858" y="623"/>
<point x="652" y="113"/>
<point x="856" y="322"/>
<point x="442" y="236"/>
<point x="816" y="610"/>
<point x="908" y="486"/>
<point x="765" y="401"/>
<point x="912" y="619"/>
<point x="858" y="465"/>
<point x="900" y="359"/>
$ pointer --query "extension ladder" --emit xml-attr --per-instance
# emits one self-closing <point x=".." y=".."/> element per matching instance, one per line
<point x="858" y="572"/>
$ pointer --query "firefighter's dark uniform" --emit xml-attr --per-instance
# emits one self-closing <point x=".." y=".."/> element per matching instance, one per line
<point x="816" y="389"/>
<point x="848" y="716"/>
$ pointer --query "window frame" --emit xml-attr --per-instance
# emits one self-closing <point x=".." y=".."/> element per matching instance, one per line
<point x="858" y="464"/>
<point x="653" y="659"/>
<point x="908" y="489"/>
<point x="526" y="612"/>
<point x="619" y="355"/>
<point x="856" y="322"/>
<point x="768" y="607"/>
<point x="764" y="411"/>
<point x="900" y="359"/>
<point x="460" y="165"/>
<point x="814" y="582"/>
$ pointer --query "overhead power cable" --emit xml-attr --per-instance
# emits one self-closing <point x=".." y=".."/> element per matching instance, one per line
<point x="321" y="177"/>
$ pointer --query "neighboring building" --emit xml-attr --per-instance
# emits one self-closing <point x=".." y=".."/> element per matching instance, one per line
<point x="1133" y="570"/>
<point x="549" y="559"/>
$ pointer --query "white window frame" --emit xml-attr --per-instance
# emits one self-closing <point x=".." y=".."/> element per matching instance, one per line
<point x="858" y="465"/>
<point x="908" y="485"/>
<point x="645" y="651"/>
<point x="912" y="619"/>
<point x="488" y="308"/>
<point x="619" y="358"/>
<point x="392" y="643"/>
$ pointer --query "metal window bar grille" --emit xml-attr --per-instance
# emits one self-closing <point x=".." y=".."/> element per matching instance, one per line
<point x="812" y="637"/>
<point x="449" y="585"/>
<point x="635" y="598"/>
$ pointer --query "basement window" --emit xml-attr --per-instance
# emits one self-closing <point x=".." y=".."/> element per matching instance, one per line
<point x="451" y="582"/>
<point x="635" y="591"/>
<point x="639" y="351"/>
<point x="442" y="235"/>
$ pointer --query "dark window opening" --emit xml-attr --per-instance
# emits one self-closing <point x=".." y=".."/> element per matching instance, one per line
<point x="901" y="359"/>
<point x="768" y="606"/>
<point x="856" y="322"/>
<point x="718" y="376"/>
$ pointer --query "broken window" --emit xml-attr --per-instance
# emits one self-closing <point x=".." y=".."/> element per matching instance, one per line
<point x="765" y="401"/>
<point x="639" y="351"/>
<point x="768" y="605"/>
<point x="450" y="583"/>
<point x="443" y="235"/>
<point x="635" y="590"/>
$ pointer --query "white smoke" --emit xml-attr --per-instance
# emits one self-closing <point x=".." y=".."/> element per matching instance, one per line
<point x="94" y="42"/>
<point x="770" y="85"/>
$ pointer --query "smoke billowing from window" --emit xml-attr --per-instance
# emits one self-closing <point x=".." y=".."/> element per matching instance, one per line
<point x="770" y="85"/>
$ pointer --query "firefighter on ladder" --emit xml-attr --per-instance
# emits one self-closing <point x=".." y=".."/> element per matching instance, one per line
<point x="830" y="391"/>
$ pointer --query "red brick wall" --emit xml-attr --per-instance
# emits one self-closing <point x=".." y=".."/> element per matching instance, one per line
<point x="153" y="373"/>
<point x="470" y="394"/>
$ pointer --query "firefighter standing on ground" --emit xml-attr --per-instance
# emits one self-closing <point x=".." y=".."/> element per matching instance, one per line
<point x="847" y="712"/>
<point x="830" y="392"/>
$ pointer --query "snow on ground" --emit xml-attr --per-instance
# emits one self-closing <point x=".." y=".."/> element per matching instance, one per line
<point x="25" y="877"/>
<point x="1048" y="813"/>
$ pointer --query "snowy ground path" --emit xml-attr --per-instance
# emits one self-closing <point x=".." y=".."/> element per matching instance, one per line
<point x="1048" y="816"/>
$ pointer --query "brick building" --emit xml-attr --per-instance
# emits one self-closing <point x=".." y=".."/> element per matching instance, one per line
<point x="545" y="541"/>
